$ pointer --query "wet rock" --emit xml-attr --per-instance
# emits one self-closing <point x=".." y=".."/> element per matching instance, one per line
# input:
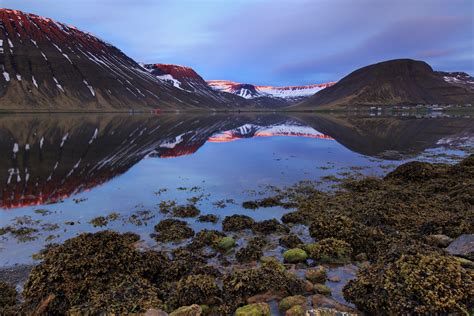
<point x="334" y="278"/>
<point x="308" y="286"/>
<point x="269" y="226"/>
<point x="258" y="309"/>
<point x="330" y="250"/>
<point x="290" y="241"/>
<point x="441" y="241"/>
<point x="264" y="297"/>
<point x="295" y="255"/>
<point x="322" y="301"/>
<point x="237" y="223"/>
<point x="321" y="289"/>
<point x="296" y="310"/>
<point x="208" y="218"/>
<point x="172" y="230"/>
<point x="226" y="243"/>
<point x="192" y="310"/>
<point x="463" y="246"/>
<point x="316" y="275"/>
<point x="189" y="210"/>
<point x="155" y="312"/>
<point x="290" y="301"/>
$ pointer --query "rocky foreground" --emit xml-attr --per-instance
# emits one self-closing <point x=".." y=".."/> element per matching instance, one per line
<point x="410" y="233"/>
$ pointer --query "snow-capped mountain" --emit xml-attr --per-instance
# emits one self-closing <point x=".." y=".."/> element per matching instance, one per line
<point x="188" y="80"/>
<point x="458" y="78"/>
<point x="250" y="91"/>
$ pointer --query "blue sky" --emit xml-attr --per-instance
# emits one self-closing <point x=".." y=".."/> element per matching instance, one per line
<point x="278" y="42"/>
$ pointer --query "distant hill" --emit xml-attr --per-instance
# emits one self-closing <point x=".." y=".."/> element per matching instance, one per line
<point x="394" y="82"/>
<point x="51" y="66"/>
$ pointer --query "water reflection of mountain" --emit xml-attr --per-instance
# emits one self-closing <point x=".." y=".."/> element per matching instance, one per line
<point x="45" y="158"/>
<point x="392" y="137"/>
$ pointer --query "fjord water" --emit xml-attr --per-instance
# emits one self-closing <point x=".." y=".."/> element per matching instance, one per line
<point x="59" y="171"/>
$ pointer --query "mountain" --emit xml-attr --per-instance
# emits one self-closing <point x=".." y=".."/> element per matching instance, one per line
<point x="457" y="78"/>
<point x="186" y="79"/>
<point x="267" y="94"/>
<point x="394" y="82"/>
<point x="48" y="65"/>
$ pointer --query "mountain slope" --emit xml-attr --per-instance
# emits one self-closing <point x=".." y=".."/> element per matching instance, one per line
<point x="267" y="94"/>
<point x="47" y="65"/>
<point x="394" y="82"/>
<point x="186" y="79"/>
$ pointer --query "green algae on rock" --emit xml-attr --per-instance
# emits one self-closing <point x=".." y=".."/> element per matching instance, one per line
<point x="295" y="255"/>
<point x="257" y="309"/>
<point x="290" y="301"/>
<point x="316" y="275"/>
<point x="329" y="250"/>
<point x="226" y="243"/>
<point x="296" y="310"/>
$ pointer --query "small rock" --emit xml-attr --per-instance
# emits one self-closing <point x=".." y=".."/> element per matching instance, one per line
<point x="320" y="300"/>
<point x="296" y="310"/>
<point x="290" y="301"/>
<point x="258" y="309"/>
<point x="321" y="289"/>
<point x="295" y="255"/>
<point x="192" y="310"/>
<point x="262" y="298"/>
<point x="334" y="278"/>
<point x="361" y="257"/>
<point x="308" y="286"/>
<point x="441" y="241"/>
<point x="226" y="243"/>
<point x="155" y="312"/>
<point x="463" y="246"/>
<point x="316" y="275"/>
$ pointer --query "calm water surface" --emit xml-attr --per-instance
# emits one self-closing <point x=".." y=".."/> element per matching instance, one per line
<point x="57" y="172"/>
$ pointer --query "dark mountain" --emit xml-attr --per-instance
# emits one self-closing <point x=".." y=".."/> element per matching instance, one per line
<point x="47" y="65"/>
<point x="186" y="79"/>
<point x="394" y="82"/>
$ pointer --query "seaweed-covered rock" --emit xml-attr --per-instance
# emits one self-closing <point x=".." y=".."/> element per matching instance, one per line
<point x="7" y="296"/>
<point x="316" y="275"/>
<point x="97" y="273"/>
<point x="290" y="301"/>
<point x="296" y="310"/>
<point x="242" y="284"/>
<point x="414" y="171"/>
<point x="330" y="250"/>
<point x="295" y="255"/>
<point x="226" y="243"/>
<point x="188" y="210"/>
<point x="269" y="226"/>
<point x="321" y="289"/>
<point x="192" y="310"/>
<point x="257" y="309"/>
<point x="208" y="218"/>
<point x="252" y="252"/>
<point x="172" y="230"/>
<point x="290" y="241"/>
<point x="419" y="284"/>
<point x="206" y="237"/>
<point x="197" y="289"/>
<point x="237" y="222"/>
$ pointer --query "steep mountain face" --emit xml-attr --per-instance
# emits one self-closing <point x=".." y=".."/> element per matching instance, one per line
<point x="457" y="78"/>
<point x="394" y="82"/>
<point x="262" y="94"/>
<point x="186" y="79"/>
<point x="47" y="65"/>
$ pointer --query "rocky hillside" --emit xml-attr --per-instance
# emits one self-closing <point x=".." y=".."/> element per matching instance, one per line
<point x="394" y="82"/>
<point x="47" y="65"/>
<point x="458" y="78"/>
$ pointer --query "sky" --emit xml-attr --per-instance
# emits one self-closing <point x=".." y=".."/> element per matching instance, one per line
<point x="275" y="42"/>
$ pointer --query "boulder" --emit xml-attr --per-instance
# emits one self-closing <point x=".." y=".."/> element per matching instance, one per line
<point x="290" y="301"/>
<point x="463" y="246"/>
<point x="295" y="255"/>
<point x="258" y="309"/>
